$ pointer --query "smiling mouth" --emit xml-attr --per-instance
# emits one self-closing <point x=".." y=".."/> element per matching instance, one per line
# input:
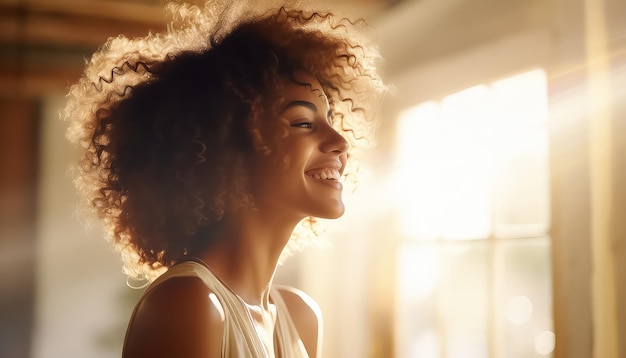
<point x="324" y="174"/>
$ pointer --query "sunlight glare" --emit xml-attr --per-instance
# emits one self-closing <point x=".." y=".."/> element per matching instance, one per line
<point x="444" y="161"/>
<point x="454" y="157"/>
<point x="519" y="309"/>
<point x="545" y="342"/>
<point x="419" y="271"/>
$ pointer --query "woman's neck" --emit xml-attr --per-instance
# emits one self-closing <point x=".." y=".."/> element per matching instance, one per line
<point x="245" y="253"/>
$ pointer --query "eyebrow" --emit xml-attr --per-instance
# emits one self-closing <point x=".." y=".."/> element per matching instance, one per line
<point x="308" y="105"/>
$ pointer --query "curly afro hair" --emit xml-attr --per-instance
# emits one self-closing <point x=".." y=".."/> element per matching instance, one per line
<point x="169" y="121"/>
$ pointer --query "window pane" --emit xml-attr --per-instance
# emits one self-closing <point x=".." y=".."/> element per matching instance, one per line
<point x="523" y="298"/>
<point x="520" y="183"/>
<point x="444" y="168"/>
<point x="442" y="300"/>
<point x="464" y="299"/>
<point x="521" y="201"/>
<point x="418" y="330"/>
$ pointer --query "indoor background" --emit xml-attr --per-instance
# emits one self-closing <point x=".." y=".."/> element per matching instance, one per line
<point x="489" y="221"/>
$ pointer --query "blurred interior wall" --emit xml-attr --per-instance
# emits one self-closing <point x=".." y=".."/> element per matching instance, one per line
<point x="81" y="291"/>
<point x="588" y="165"/>
<point x="615" y="20"/>
<point x="55" y="300"/>
<point x="19" y="118"/>
<point x="569" y="164"/>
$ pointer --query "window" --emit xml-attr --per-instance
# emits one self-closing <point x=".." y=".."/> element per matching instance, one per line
<point x="473" y="274"/>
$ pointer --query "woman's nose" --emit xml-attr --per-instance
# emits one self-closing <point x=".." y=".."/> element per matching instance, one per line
<point x="334" y="142"/>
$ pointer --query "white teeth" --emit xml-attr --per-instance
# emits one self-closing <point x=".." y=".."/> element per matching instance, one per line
<point x="327" y="174"/>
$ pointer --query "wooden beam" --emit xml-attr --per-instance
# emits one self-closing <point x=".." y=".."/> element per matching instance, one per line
<point x="71" y="31"/>
<point x="67" y="29"/>
<point x="149" y="12"/>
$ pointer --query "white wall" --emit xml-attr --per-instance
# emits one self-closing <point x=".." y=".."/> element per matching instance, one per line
<point x="80" y="308"/>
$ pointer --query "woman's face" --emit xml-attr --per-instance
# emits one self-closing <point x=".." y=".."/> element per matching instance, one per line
<point x="305" y="178"/>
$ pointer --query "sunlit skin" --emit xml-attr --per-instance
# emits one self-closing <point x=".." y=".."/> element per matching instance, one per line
<point x="300" y="183"/>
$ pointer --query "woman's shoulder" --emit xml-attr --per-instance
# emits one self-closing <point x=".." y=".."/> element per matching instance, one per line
<point x="177" y="295"/>
<point x="306" y="316"/>
<point x="299" y="301"/>
<point x="176" y="317"/>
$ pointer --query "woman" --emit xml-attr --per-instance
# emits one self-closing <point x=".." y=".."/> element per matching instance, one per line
<point x="205" y="146"/>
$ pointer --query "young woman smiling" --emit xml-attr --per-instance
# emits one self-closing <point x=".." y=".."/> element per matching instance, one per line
<point x="204" y="147"/>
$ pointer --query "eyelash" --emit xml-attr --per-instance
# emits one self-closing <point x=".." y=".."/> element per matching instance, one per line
<point x="307" y="125"/>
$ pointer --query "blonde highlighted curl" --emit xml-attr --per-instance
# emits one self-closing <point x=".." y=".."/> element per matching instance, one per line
<point x="169" y="121"/>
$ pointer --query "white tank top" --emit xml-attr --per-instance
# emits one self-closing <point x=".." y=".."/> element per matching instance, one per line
<point x="240" y="337"/>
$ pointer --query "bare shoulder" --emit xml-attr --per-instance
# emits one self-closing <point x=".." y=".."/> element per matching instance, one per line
<point x="178" y="318"/>
<point x="307" y="317"/>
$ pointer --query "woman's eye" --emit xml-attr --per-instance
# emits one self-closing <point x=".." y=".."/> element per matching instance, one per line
<point x="302" y="125"/>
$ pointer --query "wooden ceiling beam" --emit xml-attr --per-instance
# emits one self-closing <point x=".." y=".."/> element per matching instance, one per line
<point x="68" y="31"/>
<point x="131" y="11"/>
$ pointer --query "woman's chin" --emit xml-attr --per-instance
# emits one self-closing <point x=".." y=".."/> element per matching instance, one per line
<point x="336" y="213"/>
